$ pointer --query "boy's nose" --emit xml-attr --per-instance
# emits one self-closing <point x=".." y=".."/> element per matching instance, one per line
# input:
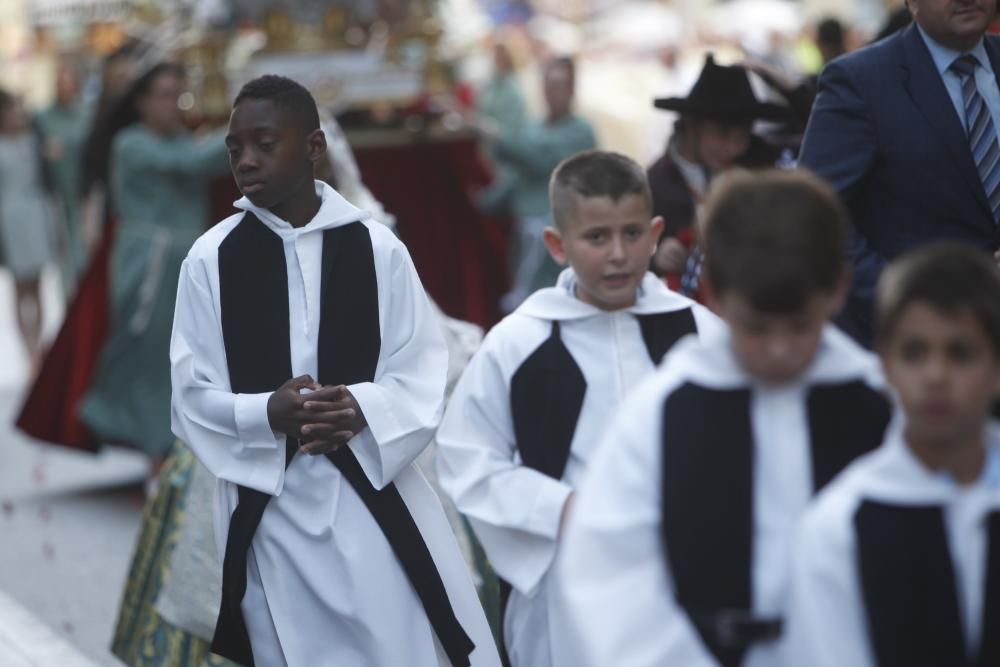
<point x="247" y="163"/>
<point x="617" y="250"/>
<point x="936" y="369"/>
<point x="777" y="348"/>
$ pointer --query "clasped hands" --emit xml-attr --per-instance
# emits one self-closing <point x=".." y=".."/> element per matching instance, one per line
<point x="322" y="419"/>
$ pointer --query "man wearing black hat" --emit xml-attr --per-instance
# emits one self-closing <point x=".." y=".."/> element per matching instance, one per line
<point x="713" y="134"/>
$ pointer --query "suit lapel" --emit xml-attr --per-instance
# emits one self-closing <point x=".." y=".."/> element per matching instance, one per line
<point x="924" y="84"/>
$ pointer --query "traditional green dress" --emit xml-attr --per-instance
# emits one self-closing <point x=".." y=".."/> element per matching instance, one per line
<point x="501" y="102"/>
<point x="64" y="131"/>
<point x="142" y="638"/>
<point x="159" y="194"/>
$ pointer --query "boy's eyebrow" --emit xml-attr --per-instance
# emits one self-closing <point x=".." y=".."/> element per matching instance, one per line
<point x="256" y="129"/>
<point x="260" y="129"/>
<point x="604" y="226"/>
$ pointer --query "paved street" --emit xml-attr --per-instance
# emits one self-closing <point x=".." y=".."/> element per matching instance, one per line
<point x="67" y="526"/>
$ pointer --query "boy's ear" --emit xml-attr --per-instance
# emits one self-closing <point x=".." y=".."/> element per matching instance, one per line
<point x="709" y="294"/>
<point x="316" y="145"/>
<point x="554" y="244"/>
<point x="840" y="291"/>
<point x="655" y="231"/>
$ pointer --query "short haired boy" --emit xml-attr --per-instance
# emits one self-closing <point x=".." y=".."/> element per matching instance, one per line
<point x="677" y="550"/>
<point x="521" y="426"/>
<point x="336" y="550"/>
<point x="898" y="561"/>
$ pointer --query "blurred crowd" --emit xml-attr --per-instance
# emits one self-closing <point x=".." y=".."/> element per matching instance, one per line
<point x="536" y="89"/>
<point x="110" y="188"/>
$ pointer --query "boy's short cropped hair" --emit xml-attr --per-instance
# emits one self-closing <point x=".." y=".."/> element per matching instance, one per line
<point x="291" y="96"/>
<point x="774" y="237"/>
<point x="595" y="174"/>
<point x="949" y="276"/>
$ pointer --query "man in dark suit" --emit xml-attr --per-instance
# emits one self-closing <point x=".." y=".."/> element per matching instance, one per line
<point x="906" y="131"/>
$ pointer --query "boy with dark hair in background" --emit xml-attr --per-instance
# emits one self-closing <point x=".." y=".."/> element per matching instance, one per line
<point x="898" y="561"/>
<point x="336" y="550"/>
<point x="520" y="429"/>
<point x="677" y="550"/>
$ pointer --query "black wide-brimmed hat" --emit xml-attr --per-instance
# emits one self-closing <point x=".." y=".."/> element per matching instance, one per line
<point x="723" y="92"/>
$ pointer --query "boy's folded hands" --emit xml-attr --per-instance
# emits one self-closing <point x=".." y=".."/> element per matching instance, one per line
<point x="322" y="418"/>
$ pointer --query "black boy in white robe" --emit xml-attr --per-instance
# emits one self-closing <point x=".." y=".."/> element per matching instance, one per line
<point x="677" y="551"/>
<point x="897" y="565"/>
<point x="347" y="558"/>
<point x="521" y="427"/>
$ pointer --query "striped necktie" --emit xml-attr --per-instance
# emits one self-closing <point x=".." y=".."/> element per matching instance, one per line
<point x="981" y="132"/>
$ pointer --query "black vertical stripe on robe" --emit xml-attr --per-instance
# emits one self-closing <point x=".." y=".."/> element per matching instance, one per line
<point x="708" y="490"/>
<point x="708" y="503"/>
<point x="910" y="592"/>
<point x="548" y="388"/>
<point x="547" y="392"/>
<point x="989" y="645"/>
<point x="908" y="586"/>
<point x="661" y="330"/>
<point x="546" y="396"/>
<point x="846" y="420"/>
<point x="253" y="280"/>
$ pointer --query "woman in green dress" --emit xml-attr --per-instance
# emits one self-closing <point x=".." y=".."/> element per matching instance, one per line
<point x="63" y="127"/>
<point x="158" y="187"/>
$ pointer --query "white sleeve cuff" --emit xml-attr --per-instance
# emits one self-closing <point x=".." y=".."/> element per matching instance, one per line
<point x="366" y="451"/>
<point x="252" y="426"/>
<point x="525" y="561"/>
<point x="547" y="510"/>
<point x="377" y="411"/>
<point x="268" y="475"/>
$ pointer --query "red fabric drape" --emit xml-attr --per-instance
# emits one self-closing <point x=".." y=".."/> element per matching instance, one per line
<point x="49" y="411"/>
<point x="460" y="254"/>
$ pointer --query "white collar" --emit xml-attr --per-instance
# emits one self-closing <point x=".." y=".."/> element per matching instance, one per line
<point x="559" y="302"/>
<point x="896" y="475"/>
<point x="944" y="56"/>
<point x="334" y="211"/>
<point x="709" y="360"/>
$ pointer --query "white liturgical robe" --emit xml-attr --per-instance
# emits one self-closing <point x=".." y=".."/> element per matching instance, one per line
<point x="323" y="585"/>
<point x="827" y="616"/>
<point x="613" y="578"/>
<point x="515" y="509"/>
